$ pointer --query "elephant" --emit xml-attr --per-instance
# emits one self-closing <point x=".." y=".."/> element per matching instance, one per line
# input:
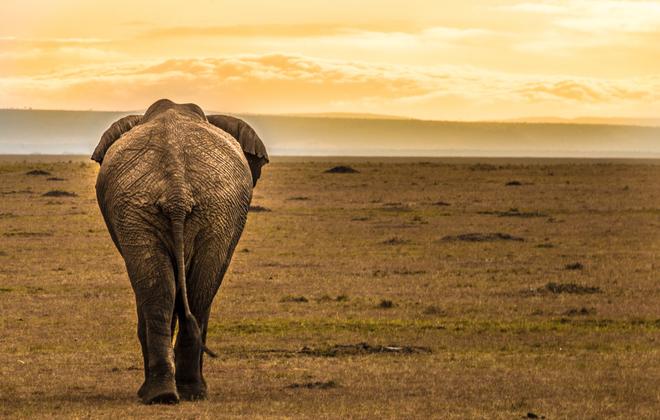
<point x="174" y="188"/>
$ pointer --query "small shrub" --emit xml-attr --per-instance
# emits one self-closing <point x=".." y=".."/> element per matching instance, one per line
<point x="579" y="312"/>
<point x="574" y="266"/>
<point x="386" y="304"/>
<point x="571" y="288"/>
<point x="545" y="245"/>
<point x="338" y="350"/>
<point x="294" y="299"/>
<point x="395" y="241"/>
<point x="482" y="237"/>
<point x="314" y="385"/>
<point x="434" y="310"/>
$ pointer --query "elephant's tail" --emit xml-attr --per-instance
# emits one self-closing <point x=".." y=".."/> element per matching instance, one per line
<point x="189" y="318"/>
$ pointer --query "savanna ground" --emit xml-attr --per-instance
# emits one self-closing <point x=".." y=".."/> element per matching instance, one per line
<point x="355" y="296"/>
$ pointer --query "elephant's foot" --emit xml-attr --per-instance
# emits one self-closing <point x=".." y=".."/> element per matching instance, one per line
<point x="192" y="391"/>
<point x="159" y="392"/>
<point x="142" y="390"/>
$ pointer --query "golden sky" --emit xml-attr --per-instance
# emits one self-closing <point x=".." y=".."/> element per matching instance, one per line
<point x="467" y="60"/>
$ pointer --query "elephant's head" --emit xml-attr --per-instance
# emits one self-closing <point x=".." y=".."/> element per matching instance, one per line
<point x="253" y="147"/>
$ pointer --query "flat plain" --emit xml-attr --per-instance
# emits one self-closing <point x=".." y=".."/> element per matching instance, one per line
<point x="412" y="288"/>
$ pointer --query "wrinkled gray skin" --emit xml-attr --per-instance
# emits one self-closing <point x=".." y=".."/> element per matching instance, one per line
<point x="174" y="190"/>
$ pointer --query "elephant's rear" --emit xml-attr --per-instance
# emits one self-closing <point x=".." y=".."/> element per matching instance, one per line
<point x="221" y="186"/>
<point x="172" y="168"/>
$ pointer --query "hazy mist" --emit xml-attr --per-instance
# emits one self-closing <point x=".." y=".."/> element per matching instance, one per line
<point x="77" y="132"/>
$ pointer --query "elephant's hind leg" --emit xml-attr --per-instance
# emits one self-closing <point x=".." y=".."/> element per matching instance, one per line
<point x="142" y="336"/>
<point x="188" y="355"/>
<point x="152" y="276"/>
<point x="204" y="276"/>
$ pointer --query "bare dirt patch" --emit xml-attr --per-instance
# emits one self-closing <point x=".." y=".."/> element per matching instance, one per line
<point x="12" y="192"/>
<point x="396" y="207"/>
<point x="483" y="167"/>
<point x="434" y="310"/>
<point x="328" y="298"/>
<point x="513" y="212"/>
<point x="294" y="299"/>
<point x="568" y="288"/>
<point x="360" y="349"/>
<point x="583" y="311"/>
<point x="403" y="272"/>
<point x="28" y="234"/>
<point x="314" y="385"/>
<point x="395" y="241"/>
<point x="482" y="237"/>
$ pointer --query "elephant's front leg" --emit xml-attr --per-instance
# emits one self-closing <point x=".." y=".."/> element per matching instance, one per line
<point x="152" y="277"/>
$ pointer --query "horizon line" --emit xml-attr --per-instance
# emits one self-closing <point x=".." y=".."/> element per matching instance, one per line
<point x="615" y="121"/>
<point x="655" y="157"/>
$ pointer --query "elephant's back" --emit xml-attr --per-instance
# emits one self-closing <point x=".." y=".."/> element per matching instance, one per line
<point x="175" y="161"/>
<point x="215" y="167"/>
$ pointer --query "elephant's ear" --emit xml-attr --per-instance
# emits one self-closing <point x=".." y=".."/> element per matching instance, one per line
<point x="113" y="133"/>
<point x="253" y="147"/>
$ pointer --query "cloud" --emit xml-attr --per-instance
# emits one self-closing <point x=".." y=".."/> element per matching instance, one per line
<point x="581" y="91"/>
<point x="276" y="83"/>
<point x="545" y="8"/>
<point x="16" y="48"/>
<point x="381" y="35"/>
<point x="272" y="30"/>
<point x="597" y="16"/>
<point x="49" y="43"/>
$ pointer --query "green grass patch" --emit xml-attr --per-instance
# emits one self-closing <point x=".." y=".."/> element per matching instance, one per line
<point x="281" y="327"/>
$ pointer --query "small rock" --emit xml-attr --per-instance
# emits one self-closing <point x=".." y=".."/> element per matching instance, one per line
<point x="341" y="170"/>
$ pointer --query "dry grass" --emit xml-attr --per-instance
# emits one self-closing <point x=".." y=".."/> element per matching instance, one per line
<point x="485" y="329"/>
